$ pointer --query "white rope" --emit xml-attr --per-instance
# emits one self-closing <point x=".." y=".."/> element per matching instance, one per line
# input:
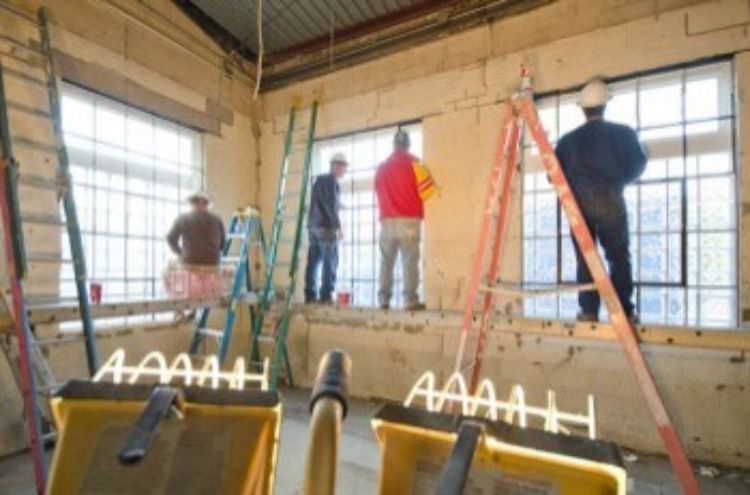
<point x="455" y="391"/>
<point x="259" y="70"/>
<point x="154" y="365"/>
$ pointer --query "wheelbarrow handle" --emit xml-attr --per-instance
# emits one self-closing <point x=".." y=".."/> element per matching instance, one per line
<point x="144" y="430"/>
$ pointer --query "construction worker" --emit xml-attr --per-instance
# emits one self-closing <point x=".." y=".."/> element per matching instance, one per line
<point x="402" y="185"/>
<point x="324" y="232"/>
<point x="599" y="159"/>
<point x="197" y="236"/>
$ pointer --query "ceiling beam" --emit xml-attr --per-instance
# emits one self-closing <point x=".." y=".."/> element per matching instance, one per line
<point x="226" y="40"/>
<point x="459" y="18"/>
<point x="362" y="29"/>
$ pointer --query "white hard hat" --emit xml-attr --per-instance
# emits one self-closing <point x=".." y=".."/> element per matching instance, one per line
<point x="594" y="94"/>
<point x="198" y="195"/>
<point x="339" y="158"/>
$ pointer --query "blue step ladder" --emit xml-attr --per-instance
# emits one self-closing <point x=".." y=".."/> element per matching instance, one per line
<point x="245" y="232"/>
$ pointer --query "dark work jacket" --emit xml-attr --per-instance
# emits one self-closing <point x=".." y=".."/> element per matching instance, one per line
<point x="601" y="155"/>
<point x="324" y="204"/>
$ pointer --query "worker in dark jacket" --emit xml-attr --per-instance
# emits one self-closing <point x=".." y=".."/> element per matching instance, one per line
<point x="599" y="159"/>
<point x="324" y="232"/>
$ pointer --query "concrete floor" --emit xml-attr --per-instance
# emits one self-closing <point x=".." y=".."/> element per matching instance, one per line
<point x="359" y="462"/>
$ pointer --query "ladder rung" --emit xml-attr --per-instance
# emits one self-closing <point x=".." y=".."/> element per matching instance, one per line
<point x="39" y="257"/>
<point x="236" y="235"/>
<point x="211" y="332"/>
<point x="40" y="182"/>
<point x="34" y="144"/>
<point x="268" y="339"/>
<point x="230" y="260"/>
<point x="521" y="291"/>
<point x="14" y="105"/>
<point x="42" y="218"/>
<point x="26" y="77"/>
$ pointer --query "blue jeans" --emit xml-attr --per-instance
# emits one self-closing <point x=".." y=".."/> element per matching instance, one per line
<point x="607" y="219"/>
<point x="323" y="248"/>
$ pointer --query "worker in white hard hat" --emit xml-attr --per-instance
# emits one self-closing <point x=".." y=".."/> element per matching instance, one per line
<point x="599" y="159"/>
<point x="324" y="232"/>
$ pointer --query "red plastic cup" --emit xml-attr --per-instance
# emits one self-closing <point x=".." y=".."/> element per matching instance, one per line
<point x="344" y="299"/>
<point x="95" y="292"/>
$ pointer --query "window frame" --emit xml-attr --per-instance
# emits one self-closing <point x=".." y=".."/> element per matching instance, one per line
<point x="685" y="180"/>
<point x="166" y="158"/>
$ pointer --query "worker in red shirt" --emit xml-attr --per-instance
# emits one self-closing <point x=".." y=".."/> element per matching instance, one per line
<point x="402" y="184"/>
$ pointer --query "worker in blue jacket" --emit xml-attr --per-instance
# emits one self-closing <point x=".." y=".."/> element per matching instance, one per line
<point x="599" y="159"/>
<point x="324" y="233"/>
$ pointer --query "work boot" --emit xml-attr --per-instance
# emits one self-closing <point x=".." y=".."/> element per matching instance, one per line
<point x="417" y="306"/>
<point x="634" y="319"/>
<point x="587" y="317"/>
<point x="385" y="306"/>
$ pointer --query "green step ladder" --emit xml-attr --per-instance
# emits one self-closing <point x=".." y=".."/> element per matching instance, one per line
<point x="282" y="258"/>
<point x="245" y="228"/>
<point x="39" y="74"/>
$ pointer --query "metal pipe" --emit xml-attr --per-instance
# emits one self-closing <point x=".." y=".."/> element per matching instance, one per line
<point x="328" y="403"/>
<point x="322" y="447"/>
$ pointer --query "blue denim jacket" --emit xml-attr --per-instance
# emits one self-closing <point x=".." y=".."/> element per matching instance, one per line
<point x="324" y="204"/>
<point x="601" y="154"/>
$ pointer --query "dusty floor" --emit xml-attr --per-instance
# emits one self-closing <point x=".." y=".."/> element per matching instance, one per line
<point x="359" y="460"/>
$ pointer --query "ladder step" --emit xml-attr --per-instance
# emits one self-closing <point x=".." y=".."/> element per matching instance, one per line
<point x="210" y="332"/>
<point x="515" y="289"/>
<point x="40" y="182"/>
<point x="42" y="219"/>
<point x="230" y="260"/>
<point x="20" y="107"/>
<point x="34" y="144"/>
<point x="236" y="235"/>
<point x="40" y="257"/>
<point x="267" y="339"/>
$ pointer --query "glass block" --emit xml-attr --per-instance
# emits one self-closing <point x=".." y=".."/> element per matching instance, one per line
<point x="622" y="107"/>
<point x="653" y="204"/>
<point x="660" y="99"/>
<point x="708" y="91"/>
<point x="653" y="258"/>
<point x="110" y="126"/>
<point x="77" y="116"/>
<point x="717" y="308"/>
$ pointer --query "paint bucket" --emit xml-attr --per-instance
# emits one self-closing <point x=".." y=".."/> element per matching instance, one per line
<point x="95" y="292"/>
<point x="344" y="299"/>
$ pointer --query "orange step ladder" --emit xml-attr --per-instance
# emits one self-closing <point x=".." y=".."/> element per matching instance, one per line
<point x="519" y="111"/>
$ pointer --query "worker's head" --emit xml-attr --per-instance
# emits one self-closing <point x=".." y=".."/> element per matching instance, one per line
<point x="593" y="99"/>
<point x="338" y="165"/>
<point x="401" y="140"/>
<point x="199" y="200"/>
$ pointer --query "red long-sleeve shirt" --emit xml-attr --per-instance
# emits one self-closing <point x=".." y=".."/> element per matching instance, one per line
<point x="396" y="187"/>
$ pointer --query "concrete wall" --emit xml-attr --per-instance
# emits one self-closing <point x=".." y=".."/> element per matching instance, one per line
<point x="149" y="55"/>
<point x="706" y="391"/>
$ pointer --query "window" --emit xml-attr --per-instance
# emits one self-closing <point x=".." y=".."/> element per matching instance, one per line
<point x="131" y="174"/>
<point x="359" y="255"/>
<point x="682" y="211"/>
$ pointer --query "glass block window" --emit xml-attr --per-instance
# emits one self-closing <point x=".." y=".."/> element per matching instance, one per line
<point x="132" y="173"/>
<point x="359" y="254"/>
<point x="682" y="211"/>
